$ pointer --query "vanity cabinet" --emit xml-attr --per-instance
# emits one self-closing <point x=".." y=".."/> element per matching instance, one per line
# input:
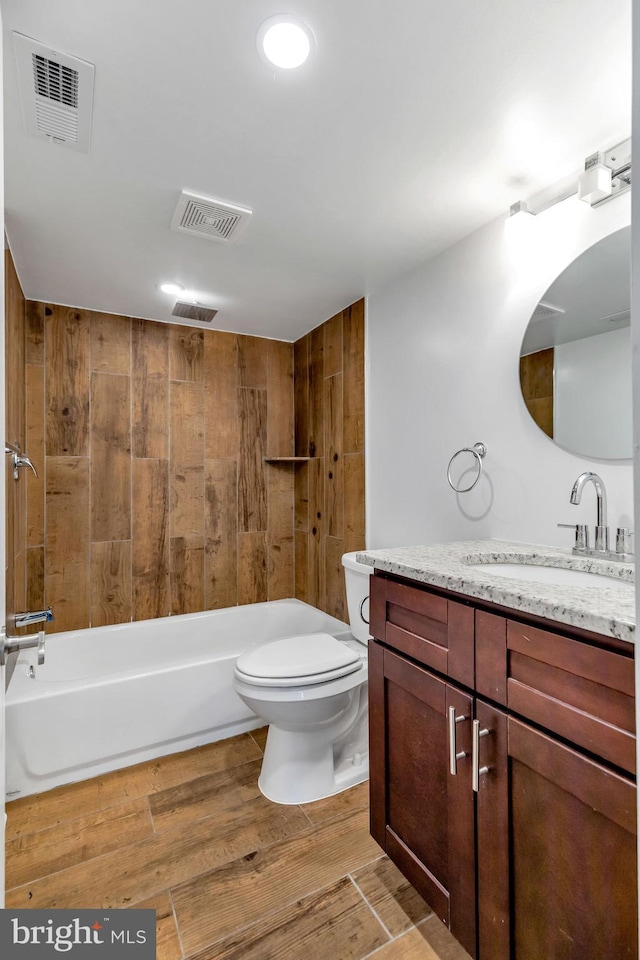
<point x="538" y="862"/>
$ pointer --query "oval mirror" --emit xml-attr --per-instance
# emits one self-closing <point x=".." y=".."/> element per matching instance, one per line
<point x="575" y="360"/>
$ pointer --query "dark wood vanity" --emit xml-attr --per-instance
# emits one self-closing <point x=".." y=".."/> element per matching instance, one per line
<point x="538" y="862"/>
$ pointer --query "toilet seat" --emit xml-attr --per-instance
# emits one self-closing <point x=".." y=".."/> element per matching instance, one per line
<point x="297" y="661"/>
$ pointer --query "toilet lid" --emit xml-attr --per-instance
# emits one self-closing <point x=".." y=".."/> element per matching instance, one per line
<point x="313" y="658"/>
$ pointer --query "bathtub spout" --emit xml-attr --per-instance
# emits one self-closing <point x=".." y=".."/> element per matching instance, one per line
<point x="37" y="616"/>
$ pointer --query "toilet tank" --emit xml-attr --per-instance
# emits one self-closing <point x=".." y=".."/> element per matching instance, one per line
<point x="356" y="577"/>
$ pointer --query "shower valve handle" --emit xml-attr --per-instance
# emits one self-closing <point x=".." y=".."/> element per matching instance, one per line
<point x="10" y="645"/>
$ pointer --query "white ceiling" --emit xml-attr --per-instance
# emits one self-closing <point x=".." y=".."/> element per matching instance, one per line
<point x="416" y="122"/>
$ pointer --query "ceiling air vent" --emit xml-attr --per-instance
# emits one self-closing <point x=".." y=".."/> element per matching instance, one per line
<point x="193" y="311"/>
<point x="56" y="92"/>
<point x="544" y="310"/>
<point x="205" y="217"/>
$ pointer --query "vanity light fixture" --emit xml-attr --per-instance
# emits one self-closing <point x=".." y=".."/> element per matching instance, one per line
<point x="605" y="176"/>
<point x="519" y="220"/>
<point x="171" y="288"/>
<point x="285" y="41"/>
<point x="595" y="183"/>
<point x="520" y="210"/>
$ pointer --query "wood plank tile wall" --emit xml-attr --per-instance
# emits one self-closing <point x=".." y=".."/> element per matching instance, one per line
<point x="153" y="497"/>
<point x="537" y="383"/>
<point x="151" y="437"/>
<point x="329" y="492"/>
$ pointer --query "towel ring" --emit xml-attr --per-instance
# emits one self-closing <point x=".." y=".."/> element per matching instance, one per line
<point x="478" y="450"/>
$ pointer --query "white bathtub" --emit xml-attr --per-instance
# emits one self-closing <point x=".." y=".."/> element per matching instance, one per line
<point x="113" y="696"/>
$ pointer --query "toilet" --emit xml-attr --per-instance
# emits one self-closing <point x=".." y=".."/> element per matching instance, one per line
<point x="312" y="691"/>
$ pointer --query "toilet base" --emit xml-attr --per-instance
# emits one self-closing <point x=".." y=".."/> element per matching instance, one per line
<point x="304" y="768"/>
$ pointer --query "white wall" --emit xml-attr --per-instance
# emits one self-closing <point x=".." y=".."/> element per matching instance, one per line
<point x="443" y="347"/>
<point x="635" y="343"/>
<point x="592" y="394"/>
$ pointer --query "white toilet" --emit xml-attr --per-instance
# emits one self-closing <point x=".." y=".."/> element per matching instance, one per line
<point x="312" y="691"/>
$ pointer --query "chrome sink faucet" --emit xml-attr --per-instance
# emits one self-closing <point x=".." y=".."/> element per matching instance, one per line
<point x="624" y="544"/>
<point x="602" y="530"/>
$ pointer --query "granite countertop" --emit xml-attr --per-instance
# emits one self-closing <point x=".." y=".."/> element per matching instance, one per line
<point x="609" y="610"/>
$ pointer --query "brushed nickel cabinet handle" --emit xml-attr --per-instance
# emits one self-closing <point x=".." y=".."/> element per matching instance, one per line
<point x="454" y="755"/>
<point x="476" y="770"/>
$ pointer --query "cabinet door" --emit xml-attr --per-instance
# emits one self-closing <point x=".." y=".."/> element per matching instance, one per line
<point x="421" y="813"/>
<point x="568" y="868"/>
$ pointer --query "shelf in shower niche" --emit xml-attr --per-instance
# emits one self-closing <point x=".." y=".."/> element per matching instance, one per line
<point x="286" y="459"/>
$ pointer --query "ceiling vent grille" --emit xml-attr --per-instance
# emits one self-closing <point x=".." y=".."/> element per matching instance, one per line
<point x="56" y="92"/>
<point x="205" y="217"/>
<point x="55" y="81"/>
<point x="193" y="311"/>
<point x="544" y="310"/>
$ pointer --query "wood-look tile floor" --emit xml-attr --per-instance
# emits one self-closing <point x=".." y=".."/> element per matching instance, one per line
<point x="231" y="875"/>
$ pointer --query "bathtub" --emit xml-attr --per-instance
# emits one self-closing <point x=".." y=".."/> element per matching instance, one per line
<point x="114" y="696"/>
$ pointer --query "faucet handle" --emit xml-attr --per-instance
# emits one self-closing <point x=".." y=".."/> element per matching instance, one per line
<point x="581" y="531"/>
<point x="624" y="542"/>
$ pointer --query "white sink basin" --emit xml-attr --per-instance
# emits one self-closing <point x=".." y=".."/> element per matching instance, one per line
<point x="559" y="576"/>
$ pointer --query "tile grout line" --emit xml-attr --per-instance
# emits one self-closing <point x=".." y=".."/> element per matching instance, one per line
<point x="175" y="921"/>
<point x="155" y="832"/>
<point x="250" y="732"/>
<point x="384" y="946"/>
<point x="460" y="952"/>
<point x="373" y="911"/>
<point x="307" y="815"/>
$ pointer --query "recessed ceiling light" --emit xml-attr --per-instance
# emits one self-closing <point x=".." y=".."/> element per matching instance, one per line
<point x="285" y="41"/>
<point x="171" y="288"/>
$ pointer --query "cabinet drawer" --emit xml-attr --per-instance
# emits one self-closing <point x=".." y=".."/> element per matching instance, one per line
<point x="581" y="692"/>
<point x="424" y="626"/>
